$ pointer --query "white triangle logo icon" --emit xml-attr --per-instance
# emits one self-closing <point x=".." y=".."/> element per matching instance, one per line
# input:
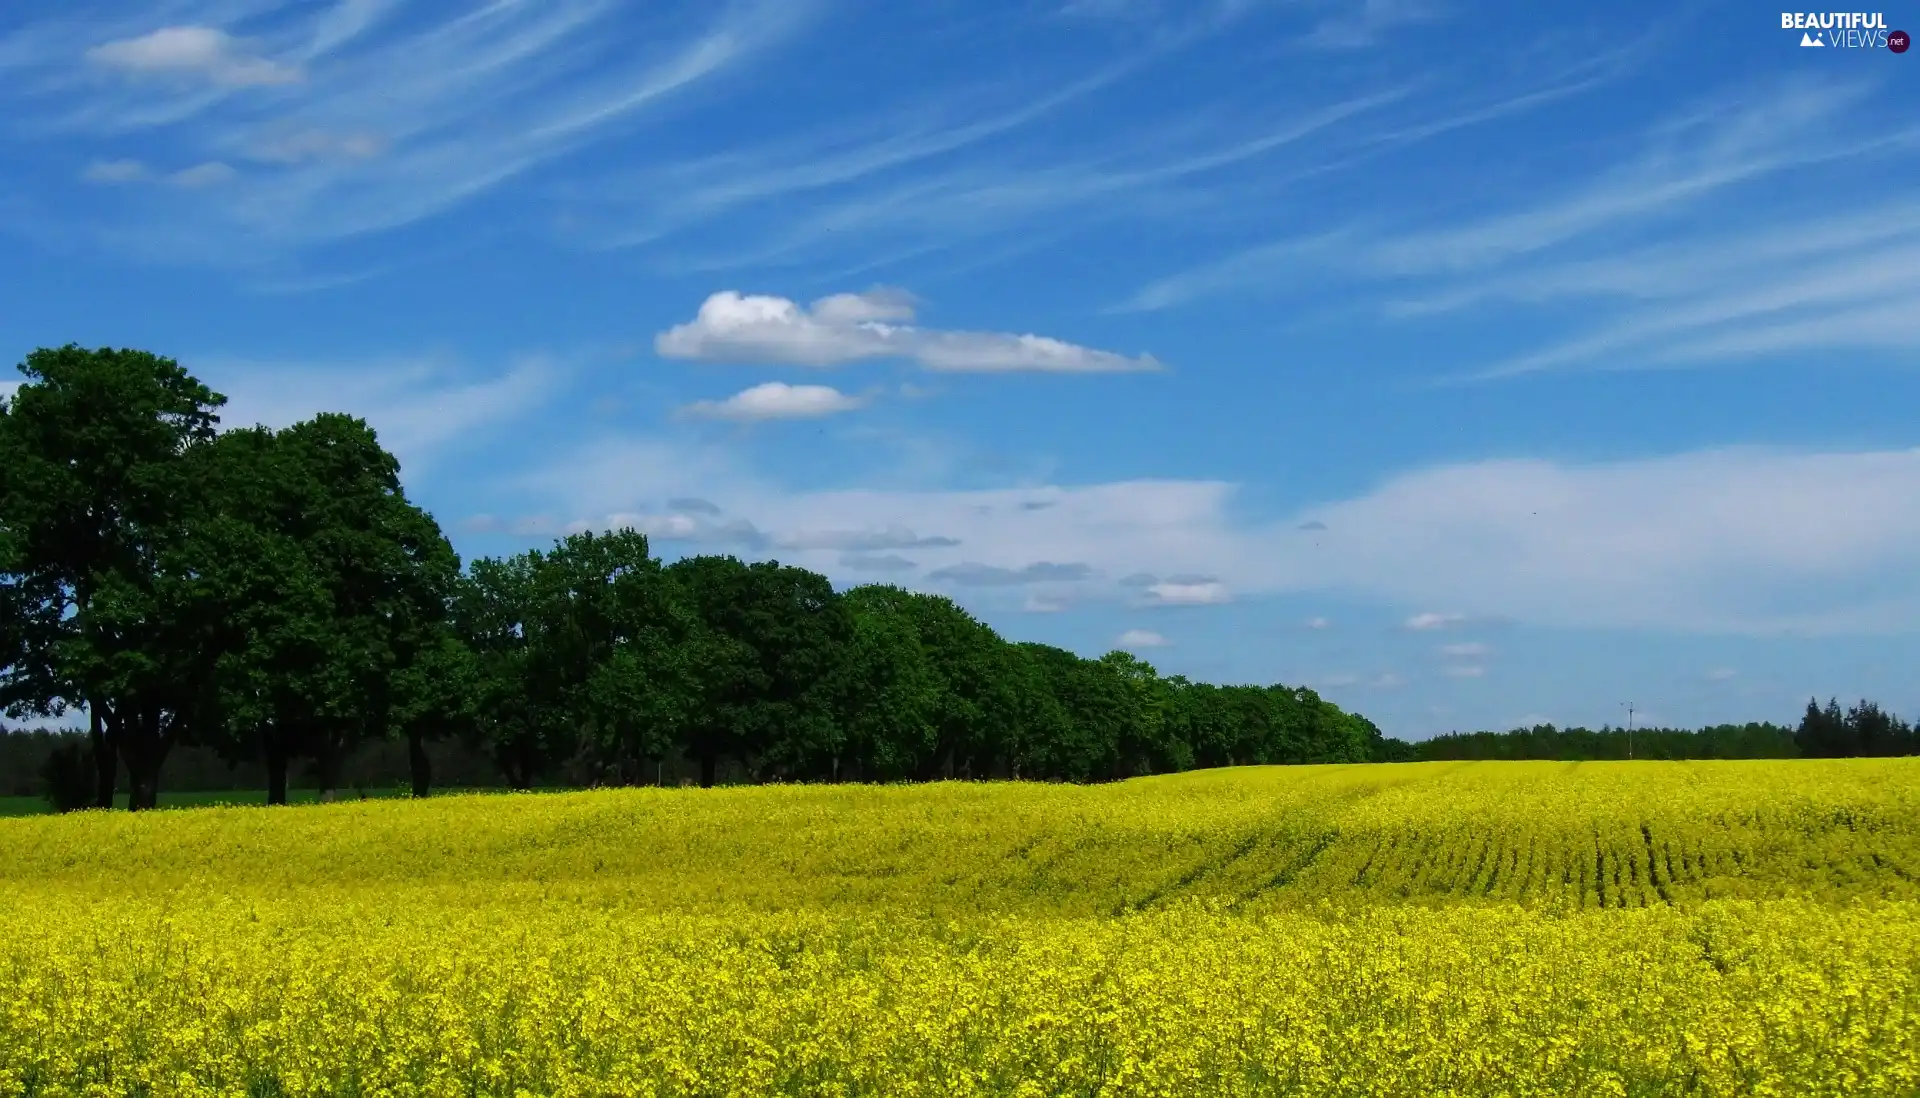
<point x="1810" y="40"/>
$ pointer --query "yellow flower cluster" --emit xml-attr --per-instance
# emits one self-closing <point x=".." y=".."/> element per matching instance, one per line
<point x="1427" y="929"/>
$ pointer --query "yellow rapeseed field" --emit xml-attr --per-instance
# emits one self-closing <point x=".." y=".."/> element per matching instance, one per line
<point x="1724" y="928"/>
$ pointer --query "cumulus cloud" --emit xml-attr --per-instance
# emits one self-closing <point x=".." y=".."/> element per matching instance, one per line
<point x="775" y="400"/>
<point x="736" y="327"/>
<point x="987" y="575"/>
<point x="190" y="52"/>
<point x="1466" y="671"/>
<point x="1431" y="620"/>
<point x="693" y="505"/>
<point x="1140" y="638"/>
<point x="1463" y="649"/>
<point x="1318" y="623"/>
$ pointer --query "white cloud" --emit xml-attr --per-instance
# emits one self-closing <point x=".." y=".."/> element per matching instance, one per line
<point x="1745" y="541"/>
<point x="1466" y="671"/>
<point x="206" y="174"/>
<point x="1737" y="539"/>
<point x="1140" y="638"/>
<point x="1722" y="674"/>
<point x="419" y="407"/>
<point x="210" y="174"/>
<point x="890" y="537"/>
<point x="973" y="574"/>
<point x="1373" y="20"/>
<point x="386" y="128"/>
<point x="775" y="400"/>
<point x="204" y="53"/>
<point x="116" y="171"/>
<point x="1709" y="149"/>
<point x="1723" y="285"/>
<point x="882" y="562"/>
<point x="1192" y="592"/>
<point x="682" y="527"/>
<point x="735" y="327"/>
<point x="310" y="145"/>
<point x="1318" y="623"/>
<point x="1465" y="648"/>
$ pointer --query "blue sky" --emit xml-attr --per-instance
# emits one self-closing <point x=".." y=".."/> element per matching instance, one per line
<point x="1471" y="364"/>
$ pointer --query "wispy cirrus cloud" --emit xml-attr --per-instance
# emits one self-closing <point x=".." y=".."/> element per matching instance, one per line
<point x="356" y="116"/>
<point x="420" y="407"/>
<point x="1372" y="21"/>
<point x="1671" y="272"/>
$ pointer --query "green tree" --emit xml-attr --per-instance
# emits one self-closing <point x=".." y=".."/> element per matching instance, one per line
<point x="768" y="668"/>
<point x="888" y="699"/>
<point x="93" y="489"/>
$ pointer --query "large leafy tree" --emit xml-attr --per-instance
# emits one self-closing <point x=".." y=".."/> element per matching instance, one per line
<point x="975" y="715"/>
<point x="95" y="488"/>
<point x="495" y="613"/>
<point x="321" y="596"/>
<point x="888" y="696"/>
<point x="773" y="636"/>
<point x="618" y="645"/>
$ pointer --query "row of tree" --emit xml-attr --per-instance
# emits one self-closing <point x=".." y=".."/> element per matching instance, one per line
<point x="1860" y="730"/>
<point x="273" y="596"/>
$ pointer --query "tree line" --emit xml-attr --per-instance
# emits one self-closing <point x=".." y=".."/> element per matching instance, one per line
<point x="273" y="598"/>
<point x="1860" y="730"/>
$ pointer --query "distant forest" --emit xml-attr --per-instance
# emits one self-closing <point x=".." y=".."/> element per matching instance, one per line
<point x="249" y="608"/>
<point x="1864" y="729"/>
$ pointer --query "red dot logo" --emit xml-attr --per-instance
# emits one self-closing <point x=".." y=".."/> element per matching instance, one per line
<point x="1898" y="41"/>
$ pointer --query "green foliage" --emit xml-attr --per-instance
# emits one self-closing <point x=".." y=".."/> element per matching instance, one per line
<point x="1544" y="741"/>
<point x="271" y="596"/>
<point x="1863" y="729"/>
<point x="67" y="776"/>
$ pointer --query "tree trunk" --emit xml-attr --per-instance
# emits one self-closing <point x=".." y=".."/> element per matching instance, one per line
<point x="327" y="763"/>
<point x="106" y="757"/>
<point x="707" y="766"/>
<point x="144" y="751"/>
<point x="276" y="769"/>
<point x="418" y="763"/>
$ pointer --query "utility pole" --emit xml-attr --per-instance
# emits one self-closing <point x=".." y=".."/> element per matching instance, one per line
<point x="1629" y="706"/>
